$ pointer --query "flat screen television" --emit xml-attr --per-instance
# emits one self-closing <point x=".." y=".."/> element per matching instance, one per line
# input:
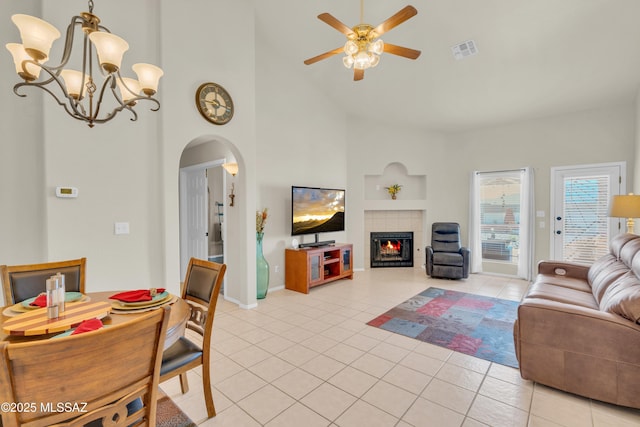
<point x="316" y="210"/>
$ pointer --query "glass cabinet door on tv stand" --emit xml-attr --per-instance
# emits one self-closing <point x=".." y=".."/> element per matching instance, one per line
<point x="315" y="269"/>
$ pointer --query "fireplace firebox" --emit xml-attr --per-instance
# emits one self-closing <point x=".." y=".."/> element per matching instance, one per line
<point x="392" y="249"/>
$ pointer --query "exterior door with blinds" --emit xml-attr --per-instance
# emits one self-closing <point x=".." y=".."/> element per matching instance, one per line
<point x="581" y="226"/>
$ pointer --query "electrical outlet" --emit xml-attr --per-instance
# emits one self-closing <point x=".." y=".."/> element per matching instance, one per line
<point x="276" y="268"/>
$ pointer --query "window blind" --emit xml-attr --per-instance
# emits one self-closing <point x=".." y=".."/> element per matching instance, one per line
<point x="586" y="229"/>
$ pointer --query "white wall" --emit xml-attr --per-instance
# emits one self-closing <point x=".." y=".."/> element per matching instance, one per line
<point x="301" y="140"/>
<point x="372" y="147"/>
<point x="23" y="237"/>
<point x="205" y="41"/>
<point x="594" y="136"/>
<point x="128" y="171"/>
<point x="587" y="137"/>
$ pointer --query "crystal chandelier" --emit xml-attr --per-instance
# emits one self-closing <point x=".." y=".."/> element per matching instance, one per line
<point x="78" y="92"/>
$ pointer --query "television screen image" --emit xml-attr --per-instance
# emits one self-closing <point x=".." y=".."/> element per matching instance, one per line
<point x="316" y="210"/>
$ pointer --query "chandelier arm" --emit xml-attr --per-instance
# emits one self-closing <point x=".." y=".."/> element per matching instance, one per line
<point x="72" y="112"/>
<point x="116" y="111"/>
<point x="109" y="81"/>
<point x="68" y="42"/>
<point x="156" y="102"/>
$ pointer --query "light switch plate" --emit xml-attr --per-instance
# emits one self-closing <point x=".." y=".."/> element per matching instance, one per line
<point x="121" y="228"/>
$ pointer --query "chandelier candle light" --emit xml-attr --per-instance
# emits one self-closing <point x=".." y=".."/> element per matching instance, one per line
<point x="81" y="96"/>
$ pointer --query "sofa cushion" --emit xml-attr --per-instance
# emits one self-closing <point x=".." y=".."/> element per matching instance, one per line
<point x="629" y="250"/>
<point x="564" y="281"/>
<point x="603" y="273"/>
<point x="622" y="297"/>
<point x="619" y="242"/>
<point x="562" y="294"/>
<point x="448" y="258"/>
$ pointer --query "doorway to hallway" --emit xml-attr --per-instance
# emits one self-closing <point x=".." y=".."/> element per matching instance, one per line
<point x="202" y="213"/>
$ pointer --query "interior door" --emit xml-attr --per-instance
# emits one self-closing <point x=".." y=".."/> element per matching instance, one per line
<point x="581" y="195"/>
<point x="194" y="212"/>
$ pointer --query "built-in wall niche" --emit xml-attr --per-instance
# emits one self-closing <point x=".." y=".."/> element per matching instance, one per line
<point x="414" y="187"/>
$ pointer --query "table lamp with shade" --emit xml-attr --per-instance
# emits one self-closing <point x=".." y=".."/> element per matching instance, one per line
<point x="626" y="206"/>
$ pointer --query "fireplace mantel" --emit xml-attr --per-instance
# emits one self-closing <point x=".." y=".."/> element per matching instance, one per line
<point x="395" y="205"/>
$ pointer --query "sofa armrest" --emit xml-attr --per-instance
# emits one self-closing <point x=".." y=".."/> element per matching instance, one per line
<point x="579" y="350"/>
<point x="560" y="268"/>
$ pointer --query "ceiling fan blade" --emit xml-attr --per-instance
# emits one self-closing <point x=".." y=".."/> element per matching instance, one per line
<point x="401" y="51"/>
<point x="329" y="19"/>
<point x="358" y="74"/>
<point x="395" y="20"/>
<point x="324" y="56"/>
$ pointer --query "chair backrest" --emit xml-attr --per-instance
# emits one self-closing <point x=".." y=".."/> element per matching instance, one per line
<point x="20" y="282"/>
<point x="445" y="237"/>
<point x="94" y="375"/>
<point x="202" y="286"/>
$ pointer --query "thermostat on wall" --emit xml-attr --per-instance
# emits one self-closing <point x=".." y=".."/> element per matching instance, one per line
<point x="67" y="192"/>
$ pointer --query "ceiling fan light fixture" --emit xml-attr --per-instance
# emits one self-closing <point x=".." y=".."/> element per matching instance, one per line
<point x="373" y="60"/>
<point x="351" y="47"/>
<point x="362" y="60"/>
<point x="376" y="47"/>
<point x="363" y="48"/>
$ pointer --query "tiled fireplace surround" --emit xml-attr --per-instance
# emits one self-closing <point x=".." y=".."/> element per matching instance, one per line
<point x="396" y="220"/>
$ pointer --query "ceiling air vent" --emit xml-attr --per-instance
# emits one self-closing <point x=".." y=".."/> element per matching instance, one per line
<point x="462" y="50"/>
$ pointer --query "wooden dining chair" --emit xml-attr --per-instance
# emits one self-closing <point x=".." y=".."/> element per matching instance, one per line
<point x="20" y="282"/>
<point x="200" y="290"/>
<point x="87" y="378"/>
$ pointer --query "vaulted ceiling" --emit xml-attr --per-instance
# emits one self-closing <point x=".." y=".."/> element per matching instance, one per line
<point x="536" y="58"/>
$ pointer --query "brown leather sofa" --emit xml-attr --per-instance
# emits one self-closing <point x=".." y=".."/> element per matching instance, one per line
<point x="577" y="328"/>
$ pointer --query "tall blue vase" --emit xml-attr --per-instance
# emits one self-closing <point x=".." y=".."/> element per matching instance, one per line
<point x="262" y="269"/>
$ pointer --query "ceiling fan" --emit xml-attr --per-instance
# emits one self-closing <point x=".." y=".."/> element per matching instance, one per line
<point x="363" y="47"/>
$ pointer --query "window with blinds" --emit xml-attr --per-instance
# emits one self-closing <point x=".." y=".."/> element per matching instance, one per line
<point x="586" y="224"/>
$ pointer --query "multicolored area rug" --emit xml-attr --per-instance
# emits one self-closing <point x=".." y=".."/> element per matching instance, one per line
<point x="471" y="324"/>
<point x="169" y="414"/>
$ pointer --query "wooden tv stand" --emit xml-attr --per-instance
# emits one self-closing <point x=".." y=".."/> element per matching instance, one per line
<point x="309" y="267"/>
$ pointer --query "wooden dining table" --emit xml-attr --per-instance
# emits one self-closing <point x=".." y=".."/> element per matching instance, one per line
<point x="178" y="317"/>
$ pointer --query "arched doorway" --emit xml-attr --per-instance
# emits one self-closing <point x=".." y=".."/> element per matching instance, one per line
<point x="204" y="189"/>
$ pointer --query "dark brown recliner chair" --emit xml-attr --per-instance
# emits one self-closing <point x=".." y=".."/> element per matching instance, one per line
<point x="446" y="257"/>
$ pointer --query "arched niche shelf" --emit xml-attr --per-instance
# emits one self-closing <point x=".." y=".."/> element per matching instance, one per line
<point x="413" y="194"/>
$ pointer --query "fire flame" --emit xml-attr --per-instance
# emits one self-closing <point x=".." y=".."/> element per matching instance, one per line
<point x="390" y="247"/>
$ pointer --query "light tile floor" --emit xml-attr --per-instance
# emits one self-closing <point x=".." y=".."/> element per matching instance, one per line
<point x="311" y="360"/>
